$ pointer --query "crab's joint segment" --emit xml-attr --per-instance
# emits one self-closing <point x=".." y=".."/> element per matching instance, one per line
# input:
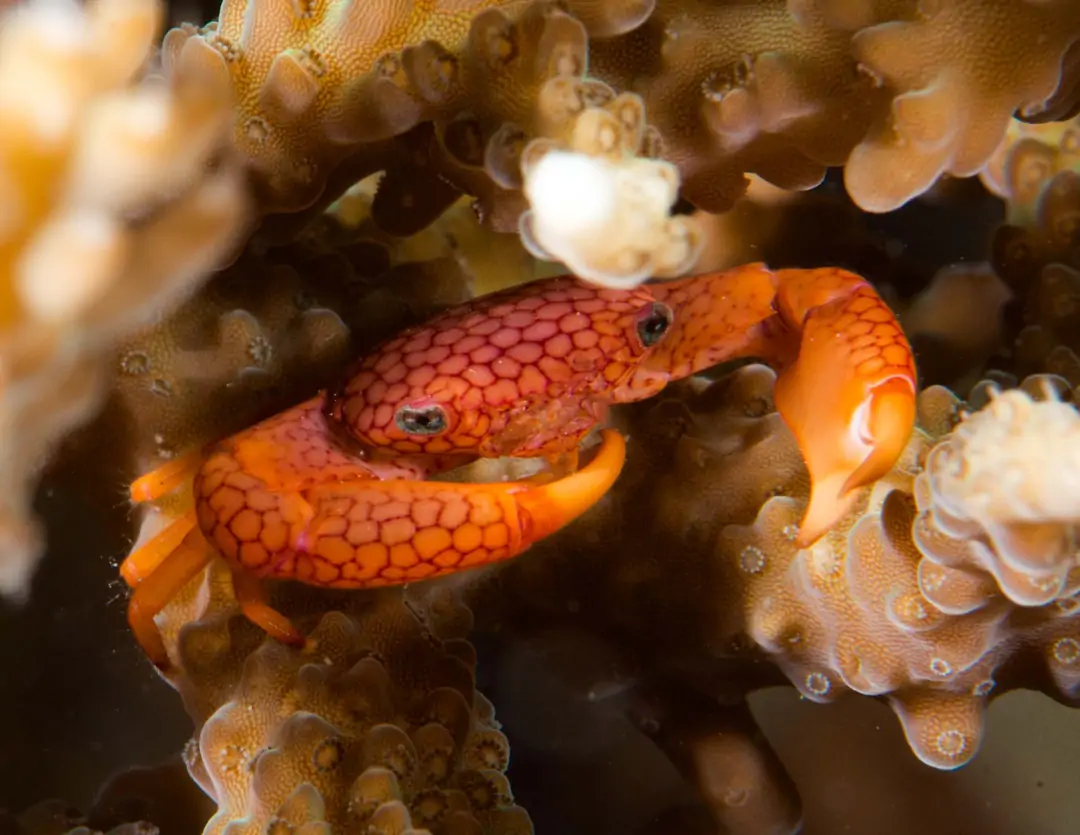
<point x="251" y="595"/>
<point x="144" y="560"/>
<point x="155" y="591"/>
<point x="165" y="478"/>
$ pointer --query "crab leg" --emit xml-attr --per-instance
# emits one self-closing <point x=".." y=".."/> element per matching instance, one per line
<point x="846" y="377"/>
<point x="154" y="592"/>
<point x="165" y="478"/>
<point x="145" y="559"/>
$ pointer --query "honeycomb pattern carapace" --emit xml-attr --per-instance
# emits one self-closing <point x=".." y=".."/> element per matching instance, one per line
<point x="513" y="373"/>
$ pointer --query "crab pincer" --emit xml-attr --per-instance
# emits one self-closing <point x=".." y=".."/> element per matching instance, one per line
<point x="845" y="371"/>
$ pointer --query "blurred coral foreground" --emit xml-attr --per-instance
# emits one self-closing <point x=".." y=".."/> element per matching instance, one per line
<point x="202" y="229"/>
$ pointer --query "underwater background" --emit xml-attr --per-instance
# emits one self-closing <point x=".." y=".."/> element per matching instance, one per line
<point x="203" y="224"/>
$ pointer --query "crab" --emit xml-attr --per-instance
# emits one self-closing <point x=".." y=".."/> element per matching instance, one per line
<point x="336" y="491"/>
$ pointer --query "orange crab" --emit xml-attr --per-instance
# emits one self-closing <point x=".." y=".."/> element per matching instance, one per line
<point x="333" y="492"/>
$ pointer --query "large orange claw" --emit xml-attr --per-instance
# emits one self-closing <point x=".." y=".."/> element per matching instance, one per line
<point x="552" y="506"/>
<point x="846" y="383"/>
<point x="849" y="396"/>
<point x="364" y="533"/>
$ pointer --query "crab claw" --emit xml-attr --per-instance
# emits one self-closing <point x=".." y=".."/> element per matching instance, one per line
<point x="544" y="510"/>
<point x="378" y="533"/>
<point x="849" y="399"/>
<point x="365" y="533"/>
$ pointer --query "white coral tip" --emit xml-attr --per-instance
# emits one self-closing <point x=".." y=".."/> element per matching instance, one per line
<point x="572" y="194"/>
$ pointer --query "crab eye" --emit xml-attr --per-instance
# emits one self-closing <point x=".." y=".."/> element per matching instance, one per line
<point x="655" y="322"/>
<point x="421" y="420"/>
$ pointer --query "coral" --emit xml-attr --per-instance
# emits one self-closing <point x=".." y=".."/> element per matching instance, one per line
<point x="956" y="324"/>
<point x="1040" y="261"/>
<point x="376" y="724"/>
<point x="739" y="88"/>
<point x="897" y="604"/>
<point x="718" y="748"/>
<point x="212" y="366"/>
<point x="488" y="260"/>
<point x="1065" y="103"/>
<point x="602" y="209"/>
<point x="560" y="155"/>
<point x="54" y="817"/>
<point x="162" y="794"/>
<point x="909" y="598"/>
<point x="960" y="70"/>
<point x="520" y="73"/>
<point x="1027" y="159"/>
<point x="778" y="88"/>
<point x="315" y="82"/>
<point x="995" y="484"/>
<point x="919" y="596"/>
<point x="117" y="202"/>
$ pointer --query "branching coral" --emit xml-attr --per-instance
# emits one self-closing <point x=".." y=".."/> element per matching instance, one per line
<point x="906" y="601"/>
<point x="600" y="208"/>
<point x="314" y="81"/>
<point x="1027" y="159"/>
<point x="376" y="725"/>
<point x="996" y="485"/>
<point x="774" y="88"/>
<point x="739" y="88"/>
<point x="719" y="748"/>
<point x="54" y="817"/>
<point x="915" y="597"/>
<point x="784" y="90"/>
<point x="1040" y="261"/>
<point x="561" y="155"/>
<point x="956" y="323"/>
<point x="778" y="89"/>
<point x="115" y="204"/>
<point x="960" y="70"/>
<point x="511" y="65"/>
<point x="211" y="367"/>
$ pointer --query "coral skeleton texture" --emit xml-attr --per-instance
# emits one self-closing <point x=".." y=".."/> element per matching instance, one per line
<point x="908" y="598"/>
<point x="378" y="725"/>
<point x="117" y="200"/>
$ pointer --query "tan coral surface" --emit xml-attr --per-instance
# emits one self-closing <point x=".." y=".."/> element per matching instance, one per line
<point x="313" y="81"/>
<point x="908" y="598"/>
<point x="116" y="203"/>
<point x="960" y="69"/>
<point x="376" y="725"/>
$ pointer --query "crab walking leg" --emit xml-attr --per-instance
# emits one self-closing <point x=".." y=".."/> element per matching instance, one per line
<point x="156" y="590"/>
<point x="846" y="376"/>
<point x="251" y="596"/>
<point x="145" y="560"/>
<point x="165" y="478"/>
<point x="849" y="395"/>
